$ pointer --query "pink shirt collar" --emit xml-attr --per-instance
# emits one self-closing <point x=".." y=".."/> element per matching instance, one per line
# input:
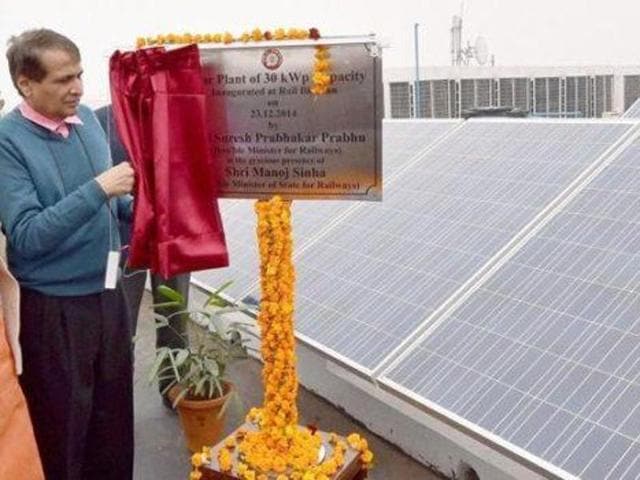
<point x="61" y="127"/>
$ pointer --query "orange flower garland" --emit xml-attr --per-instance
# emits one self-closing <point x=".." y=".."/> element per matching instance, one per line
<point x="321" y="79"/>
<point x="280" y="449"/>
<point x="255" y="35"/>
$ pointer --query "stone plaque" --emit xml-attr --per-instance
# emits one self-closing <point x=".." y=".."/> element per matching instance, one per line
<point x="270" y="135"/>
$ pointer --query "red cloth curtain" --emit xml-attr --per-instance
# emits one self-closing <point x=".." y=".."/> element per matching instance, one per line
<point x="159" y="108"/>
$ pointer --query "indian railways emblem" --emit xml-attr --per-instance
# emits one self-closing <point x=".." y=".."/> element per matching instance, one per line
<point x="272" y="58"/>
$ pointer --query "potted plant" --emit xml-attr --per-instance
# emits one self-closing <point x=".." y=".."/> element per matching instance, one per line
<point x="196" y="371"/>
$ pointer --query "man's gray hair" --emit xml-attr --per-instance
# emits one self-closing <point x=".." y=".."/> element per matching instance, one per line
<point x="25" y="52"/>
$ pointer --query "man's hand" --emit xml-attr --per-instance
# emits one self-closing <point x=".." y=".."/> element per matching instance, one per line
<point x="117" y="180"/>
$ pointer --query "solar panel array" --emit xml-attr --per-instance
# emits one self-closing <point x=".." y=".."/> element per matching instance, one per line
<point x="374" y="278"/>
<point x="546" y="353"/>
<point x="402" y="141"/>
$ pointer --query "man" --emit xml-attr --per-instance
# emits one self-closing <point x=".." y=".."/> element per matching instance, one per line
<point x="133" y="280"/>
<point x="60" y="200"/>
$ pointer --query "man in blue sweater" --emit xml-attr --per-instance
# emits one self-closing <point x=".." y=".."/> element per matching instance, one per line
<point x="60" y="201"/>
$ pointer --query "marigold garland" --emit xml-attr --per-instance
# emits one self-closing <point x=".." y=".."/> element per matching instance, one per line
<point x="280" y="449"/>
<point x="321" y="77"/>
<point x="320" y="80"/>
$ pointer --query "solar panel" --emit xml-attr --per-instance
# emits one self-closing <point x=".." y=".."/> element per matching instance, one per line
<point x="370" y="282"/>
<point x="633" y="111"/>
<point x="402" y="141"/>
<point x="545" y="354"/>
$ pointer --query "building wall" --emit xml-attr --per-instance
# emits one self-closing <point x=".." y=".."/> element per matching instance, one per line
<point x="631" y="89"/>
<point x="573" y="92"/>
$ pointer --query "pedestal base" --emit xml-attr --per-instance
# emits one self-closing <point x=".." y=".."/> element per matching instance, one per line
<point x="351" y="470"/>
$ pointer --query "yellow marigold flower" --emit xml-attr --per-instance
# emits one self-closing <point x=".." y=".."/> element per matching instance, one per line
<point x="225" y="460"/>
<point x="322" y="65"/>
<point x="329" y="466"/>
<point x="256" y="35"/>
<point x="140" y="42"/>
<point x="216" y="38"/>
<point x="230" y="443"/>
<point x="353" y="440"/>
<point x="197" y="460"/>
<point x="282" y="477"/>
<point x="367" y="456"/>
<point x="242" y="468"/>
<point x="249" y="475"/>
<point x="171" y="38"/>
<point x="227" y="38"/>
<point x="187" y="38"/>
<point x="245" y="37"/>
<point x="206" y="38"/>
<point x="321" y="79"/>
<point x="279" y="465"/>
<point x="321" y="53"/>
<point x="195" y="475"/>
<point x="308" y="476"/>
<point x="279" y="34"/>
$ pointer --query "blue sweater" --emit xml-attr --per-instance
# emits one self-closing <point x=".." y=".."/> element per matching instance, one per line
<point x="54" y="213"/>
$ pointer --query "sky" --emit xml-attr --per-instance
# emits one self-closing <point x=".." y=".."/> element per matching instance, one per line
<point x="519" y="32"/>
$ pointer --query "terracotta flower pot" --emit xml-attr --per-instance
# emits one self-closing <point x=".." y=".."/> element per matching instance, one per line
<point x="201" y="421"/>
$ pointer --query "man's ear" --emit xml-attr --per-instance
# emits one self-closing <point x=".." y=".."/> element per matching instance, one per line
<point x="24" y="85"/>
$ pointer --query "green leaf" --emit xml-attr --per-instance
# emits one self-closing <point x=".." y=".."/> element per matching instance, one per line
<point x="173" y="365"/>
<point x="161" y="354"/>
<point x="181" y="356"/>
<point x="166" y="304"/>
<point x="171" y="294"/>
<point x="179" y="397"/>
<point x="215" y="299"/>
<point x="160" y="320"/>
<point x="211" y="366"/>
<point x="169" y="386"/>
<point x="226" y="403"/>
<point x="199" y="388"/>
<point x="219" y="387"/>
